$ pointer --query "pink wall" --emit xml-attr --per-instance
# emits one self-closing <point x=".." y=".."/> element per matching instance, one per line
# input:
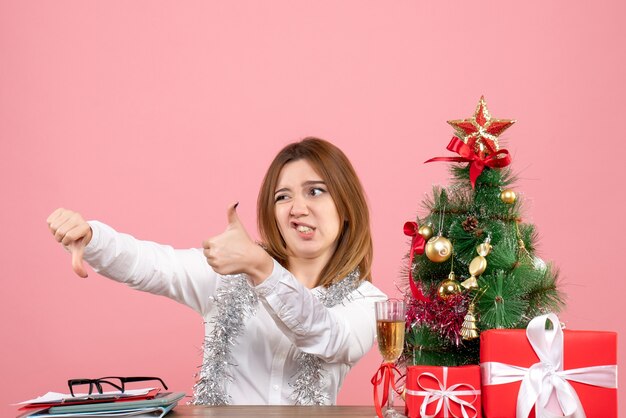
<point x="153" y="116"/>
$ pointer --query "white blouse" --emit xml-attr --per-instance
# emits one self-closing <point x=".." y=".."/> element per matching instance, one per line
<point x="289" y="319"/>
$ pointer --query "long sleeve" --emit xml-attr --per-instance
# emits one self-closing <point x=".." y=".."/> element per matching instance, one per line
<point x="341" y="334"/>
<point x="182" y="275"/>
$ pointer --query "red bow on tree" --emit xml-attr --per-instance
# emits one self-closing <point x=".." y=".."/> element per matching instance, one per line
<point x="418" y="243"/>
<point x="477" y="162"/>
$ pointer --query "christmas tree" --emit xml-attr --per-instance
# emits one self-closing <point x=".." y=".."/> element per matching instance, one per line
<point x="472" y="262"/>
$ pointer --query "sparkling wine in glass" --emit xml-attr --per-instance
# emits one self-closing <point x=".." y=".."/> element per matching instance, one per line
<point x="390" y="335"/>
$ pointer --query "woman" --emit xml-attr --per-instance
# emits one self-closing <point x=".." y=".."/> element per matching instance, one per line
<point x="285" y="321"/>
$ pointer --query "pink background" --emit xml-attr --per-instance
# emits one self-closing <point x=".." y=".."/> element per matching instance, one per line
<point x="154" y="116"/>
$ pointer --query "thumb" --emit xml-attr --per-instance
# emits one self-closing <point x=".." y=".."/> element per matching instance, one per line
<point x="233" y="218"/>
<point x="77" y="248"/>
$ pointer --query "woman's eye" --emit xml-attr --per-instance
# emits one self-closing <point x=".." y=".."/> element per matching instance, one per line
<point x="316" y="191"/>
<point x="280" y="197"/>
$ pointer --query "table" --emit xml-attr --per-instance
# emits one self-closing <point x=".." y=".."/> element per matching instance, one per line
<point x="275" y="411"/>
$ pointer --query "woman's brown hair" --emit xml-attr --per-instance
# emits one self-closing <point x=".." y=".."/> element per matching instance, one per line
<point x="354" y="244"/>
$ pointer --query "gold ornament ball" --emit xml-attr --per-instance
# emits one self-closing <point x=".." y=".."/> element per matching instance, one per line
<point x="508" y="196"/>
<point x="426" y="231"/>
<point x="448" y="287"/>
<point x="438" y="249"/>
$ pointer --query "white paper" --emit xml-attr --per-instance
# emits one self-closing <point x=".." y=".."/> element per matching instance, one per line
<point x="51" y="397"/>
<point x="136" y="413"/>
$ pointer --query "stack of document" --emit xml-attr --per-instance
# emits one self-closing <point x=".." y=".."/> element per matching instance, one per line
<point x="132" y="403"/>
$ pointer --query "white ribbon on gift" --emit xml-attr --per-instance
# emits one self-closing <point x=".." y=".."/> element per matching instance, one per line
<point x="546" y="376"/>
<point x="444" y="395"/>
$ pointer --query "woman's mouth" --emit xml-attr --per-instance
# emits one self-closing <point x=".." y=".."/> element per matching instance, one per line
<point x="304" y="229"/>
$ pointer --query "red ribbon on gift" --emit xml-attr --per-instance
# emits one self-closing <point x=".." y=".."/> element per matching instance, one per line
<point x="418" y="243"/>
<point x="384" y="375"/>
<point x="477" y="162"/>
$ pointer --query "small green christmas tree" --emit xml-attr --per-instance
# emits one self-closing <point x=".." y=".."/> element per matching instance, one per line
<point x="472" y="260"/>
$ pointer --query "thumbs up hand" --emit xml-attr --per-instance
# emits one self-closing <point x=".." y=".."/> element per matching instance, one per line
<point x="233" y="252"/>
<point x="70" y="229"/>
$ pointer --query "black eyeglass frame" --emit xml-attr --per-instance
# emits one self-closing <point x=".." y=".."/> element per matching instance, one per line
<point x="119" y="383"/>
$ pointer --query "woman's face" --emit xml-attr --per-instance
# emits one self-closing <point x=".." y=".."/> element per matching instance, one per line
<point x="305" y="212"/>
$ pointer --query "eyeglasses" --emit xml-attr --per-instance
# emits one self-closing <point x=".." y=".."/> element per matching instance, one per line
<point x="117" y="382"/>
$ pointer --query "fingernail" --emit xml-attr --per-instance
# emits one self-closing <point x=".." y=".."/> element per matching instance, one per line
<point x="236" y="204"/>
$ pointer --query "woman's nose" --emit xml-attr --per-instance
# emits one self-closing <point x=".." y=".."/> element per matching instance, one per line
<point x="299" y="207"/>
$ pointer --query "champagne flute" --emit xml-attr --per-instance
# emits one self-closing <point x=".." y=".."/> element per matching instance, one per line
<point x="390" y="319"/>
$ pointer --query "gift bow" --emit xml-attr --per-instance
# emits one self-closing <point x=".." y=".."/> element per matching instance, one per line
<point x="477" y="162"/>
<point x="540" y="379"/>
<point x="444" y="395"/>
<point x="418" y="243"/>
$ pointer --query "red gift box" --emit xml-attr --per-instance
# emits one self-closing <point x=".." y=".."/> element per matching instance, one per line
<point x="436" y="391"/>
<point x="526" y="372"/>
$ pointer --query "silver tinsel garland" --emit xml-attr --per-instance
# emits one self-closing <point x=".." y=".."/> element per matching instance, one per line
<point x="235" y="300"/>
<point x="308" y="382"/>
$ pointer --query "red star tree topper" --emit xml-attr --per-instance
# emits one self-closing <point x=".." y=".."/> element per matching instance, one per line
<point x="481" y="131"/>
